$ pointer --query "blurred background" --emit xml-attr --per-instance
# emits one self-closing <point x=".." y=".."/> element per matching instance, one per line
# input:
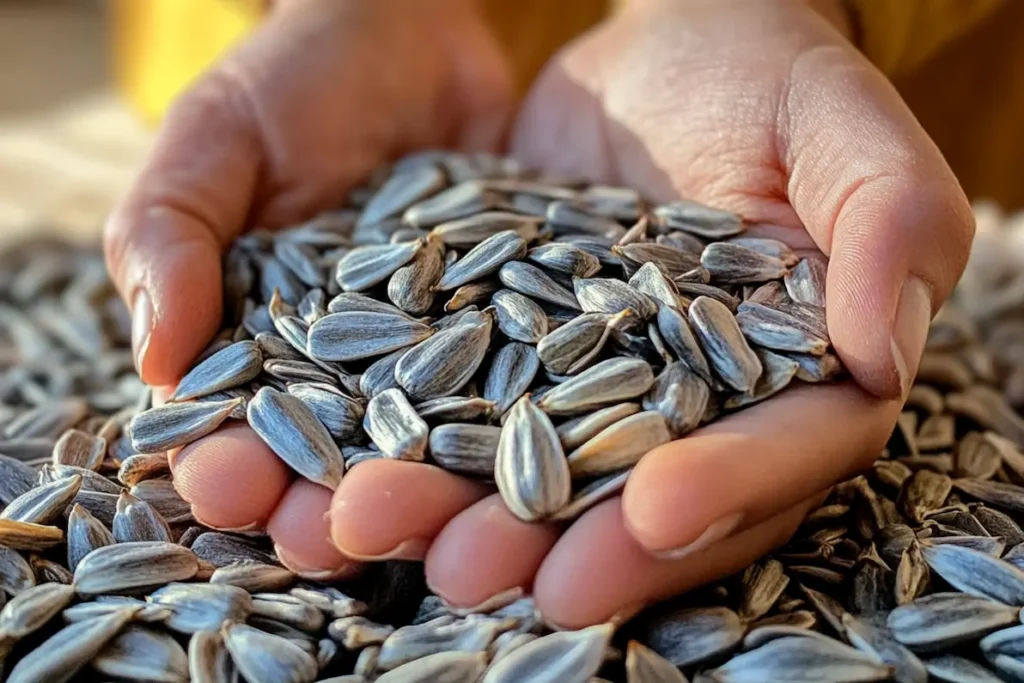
<point x="82" y="84"/>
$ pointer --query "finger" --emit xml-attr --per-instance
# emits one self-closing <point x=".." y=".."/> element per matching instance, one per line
<point x="391" y="509"/>
<point x="597" y="572"/>
<point x="231" y="478"/>
<point x="878" y="198"/>
<point x="752" y="465"/>
<point x="163" y="241"/>
<point x="485" y="551"/>
<point x="301" y="530"/>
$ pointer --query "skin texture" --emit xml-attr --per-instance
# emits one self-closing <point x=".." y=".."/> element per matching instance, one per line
<point x="762" y="108"/>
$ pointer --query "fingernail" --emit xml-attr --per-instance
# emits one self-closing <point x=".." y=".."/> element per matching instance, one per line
<point x="910" y="329"/>
<point x="142" y="326"/>
<point x="346" y="570"/>
<point x="715" y="532"/>
<point x="411" y="549"/>
<point x="495" y="602"/>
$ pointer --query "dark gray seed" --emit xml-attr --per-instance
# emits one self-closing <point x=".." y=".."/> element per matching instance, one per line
<point x="605" y="295"/>
<point x="777" y="373"/>
<point x="611" y="381"/>
<point x="483" y="260"/>
<point x="465" y="448"/>
<point x="131" y="566"/>
<point x="724" y="345"/>
<point x="355" y="335"/>
<point x="221" y="549"/>
<point x="411" y="288"/>
<point x="366" y="266"/>
<point x="941" y="620"/>
<point x="295" y="371"/>
<point x="733" y="263"/>
<point x="1007" y="496"/>
<point x="691" y="635"/>
<point x="140" y="653"/>
<point x="535" y="283"/>
<point x="196" y="607"/>
<point x="302" y="261"/>
<point x="573" y="346"/>
<point x="681" y="240"/>
<point x="468" y="232"/>
<point x="268" y="658"/>
<point x="876" y="641"/>
<point x="698" y="219"/>
<point x="85" y="534"/>
<point x="675" y="330"/>
<point x="178" y="424"/>
<point x="395" y="427"/>
<point x="341" y="415"/>
<point x="649" y="280"/>
<point x="401" y="190"/>
<point x="569" y="216"/>
<point x="465" y="199"/>
<point x="137" y="520"/>
<point x="350" y="302"/>
<point x="1000" y="524"/>
<point x="671" y="261"/>
<point x="445" y="362"/>
<point x="680" y="396"/>
<point x="16" y="478"/>
<point x="380" y="376"/>
<point x="956" y="669"/>
<point x="691" y="290"/>
<point x="15" y="573"/>
<point x="778" y="330"/>
<point x="230" y="367"/>
<point x="76" y="448"/>
<point x="274" y="276"/>
<point x="292" y="430"/>
<point x="805" y="283"/>
<point x="565" y="258"/>
<point x="769" y="247"/>
<point x="33" y="608"/>
<point x="161" y="494"/>
<point x="512" y="371"/>
<point x="763" y="583"/>
<point x="798" y="659"/>
<point x="977" y="573"/>
<point x="63" y="655"/>
<point x="598" y="247"/>
<point x="519" y="318"/>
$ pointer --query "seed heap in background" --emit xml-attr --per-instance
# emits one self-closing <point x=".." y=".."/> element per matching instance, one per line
<point x="912" y="572"/>
<point x="542" y="334"/>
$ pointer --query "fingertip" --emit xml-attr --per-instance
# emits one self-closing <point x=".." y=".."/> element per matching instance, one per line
<point x="300" y="529"/>
<point x="392" y="509"/>
<point x="231" y="478"/>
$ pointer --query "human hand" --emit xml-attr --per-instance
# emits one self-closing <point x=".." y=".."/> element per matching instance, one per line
<point x="325" y="92"/>
<point x="764" y="109"/>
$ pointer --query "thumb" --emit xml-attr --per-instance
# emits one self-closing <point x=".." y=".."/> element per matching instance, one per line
<point x="163" y="241"/>
<point x="876" y="195"/>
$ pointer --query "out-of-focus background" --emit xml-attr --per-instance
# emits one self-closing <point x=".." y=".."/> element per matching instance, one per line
<point x="81" y="84"/>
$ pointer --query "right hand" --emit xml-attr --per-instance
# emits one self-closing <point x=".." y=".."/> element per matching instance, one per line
<point x="323" y="93"/>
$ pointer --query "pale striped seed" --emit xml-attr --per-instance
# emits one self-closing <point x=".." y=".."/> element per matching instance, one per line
<point x="91" y="481"/>
<point x="459" y="201"/>
<point x="732" y="263"/>
<point x="577" y="431"/>
<point x="446" y="667"/>
<point x="380" y="375"/>
<point x="392" y="424"/>
<point x="352" y="302"/>
<point x="132" y="566"/>
<point x="141" y="653"/>
<point x="564" y="258"/>
<point x="611" y="381"/>
<point x="700" y="220"/>
<point x="262" y="656"/>
<point x="403" y="189"/>
<point x="671" y="261"/>
<point x="355" y="335"/>
<point x="137" y="468"/>
<point x="32" y="609"/>
<point x="530" y="469"/>
<point x="769" y="247"/>
<point x="470" y="294"/>
<point x="620" y="445"/>
<point x="777" y="373"/>
<point x="457" y="409"/>
<point x="254" y="576"/>
<point x="79" y="449"/>
<point x="197" y="607"/>
<point x="354" y="632"/>
<point x="805" y="283"/>
<point x="483" y="260"/>
<point x="27" y="536"/>
<point x="16" y="574"/>
<point x="567" y="657"/>
<point x="341" y="415"/>
<point x="570" y="216"/>
<point x="366" y="266"/>
<point x="651" y="281"/>
<point x="798" y="658"/>
<point x="468" y="232"/>
<point x="313" y="306"/>
<point x="288" y="609"/>
<point x="137" y="520"/>
<point x="599" y="490"/>
<point x="680" y="396"/>
<point x="414" y="642"/>
<point x="519" y="318"/>
<point x="85" y="534"/>
<point x="571" y="348"/>
<point x="779" y="330"/>
<point x="44" y="503"/>
<point x="942" y="620"/>
<point x="411" y="288"/>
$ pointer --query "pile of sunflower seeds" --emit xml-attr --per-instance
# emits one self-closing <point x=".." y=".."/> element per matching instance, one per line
<point x="542" y="335"/>
<point x="911" y="572"/>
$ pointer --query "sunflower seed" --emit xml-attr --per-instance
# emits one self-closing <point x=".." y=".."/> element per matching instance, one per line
<point x="802" y="659"/>
<point x="465" y="199"/>
<point x="604" y="295"/>
<point x="610" y="381"/>
<point x="940" y="620"/>
<point x="44" y="503"/>
<point x="572" y="347"/>
<point x="519" y="318"/>
<point x="567" y="657"/>
<point x="137" y="520"/>
<point x="779" y="330"/>
<point x="620" y="445"/>
<point x="366" y="266"/>
<point x="955" y="669"/>
<point x="564" y="258"/>
<point x="723" y="344"/>
<point x="533" y="282"/>
<point x="262" y="656"/>
<point x="178" y="424"/>
<point x="294" y="433"/>
<point x="395" y="427"/>
<point x="356" y="334"/>
<point x="235" y="365"/>
<point x="805" y="283"/>
<point x="411" y="287"/>
<point x="671" y="261"/>
<point x="590" y="495"/>
<point x="27" y="536"/>
<point x="699" y="220"/>
<point x="442" y="364"/>
<point x="486" y="258"/>
<point x="976" y="573"/>
<point x="530" y="470"/>
<point x="289" y="610"/>
<point x="465" y="448"/>
<point x="403" y="189"/>
<point x="729" y="262"/>
<point x="341" y="415"/>
<point x="131" y="566"/>
<point x="141" y="653"/>
<point x="468" y="232"/>
<point x="688" y="636"/>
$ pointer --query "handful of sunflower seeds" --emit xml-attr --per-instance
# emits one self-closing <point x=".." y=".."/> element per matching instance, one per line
<point x="541" y="333"/>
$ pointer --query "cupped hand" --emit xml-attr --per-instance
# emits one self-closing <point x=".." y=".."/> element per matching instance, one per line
<point x="281" y="129"/>
<point x="763" y="108"/>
